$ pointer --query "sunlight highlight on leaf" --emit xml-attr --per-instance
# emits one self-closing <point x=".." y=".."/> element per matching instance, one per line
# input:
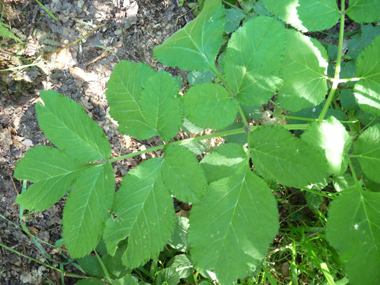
<point x="333" y="137"/>
<point x="304" y="69"/>
<point x="367" y="89"/>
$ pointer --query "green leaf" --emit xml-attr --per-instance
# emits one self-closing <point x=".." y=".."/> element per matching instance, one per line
<point x="199" y="77"/>
<point x="190" y="128"/>
<point x="367" y="119"/>
<point x="178" y="240"/>
<point x="233" y="18"/>
<point x="318" y="15"/>
<point x="357" y="43"/>
<point x="253" y="60"/>
<point x="364" y="11"/>
<point x="367" y="89"/>
<point x="370" y="184"/>
<point x="231" y="228"/>
<point x="260" y="10"/>
<point x="367" y="150"/>
<point x="167" y="276"/>
<point x="314" y="112"/>
<point x="238" y="138"/>
<point x="182" y="174"/>
<point x="114" y="263"/>
<point x="209" y="105"/>
<point x="86" y="209"/>
<point x="144" y="212"/>
<point x="225" y="161"/>
<point x="347" y="99"/>
<point x="343" y="182"/>
<point x="90" y="282"/>
<point x="53" y="172"/>
<point x="91" y="265"/>
<point x="314" y="200"/>
<point x="279" y="156"/>
<point x="126" y="280"/>
<point x="247" y="5"/>
<point x="182" y="264"/>
<point x="196" y="147"/>
<point x="305" y="15"/>
<point x="66" y="124"/>
<point x="353" y="229"/>
<point x="253" y="112"/>
<point x="123" y="95"/>
<point x="304" y="69"/>
<point x="160" y="106"/>
<point x="5" y="33"/>
<point x="195" y="46"/>
<point x="332" y="136"/>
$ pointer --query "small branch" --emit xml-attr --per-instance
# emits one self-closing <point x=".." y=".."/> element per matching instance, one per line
<point x="337" y="67"/>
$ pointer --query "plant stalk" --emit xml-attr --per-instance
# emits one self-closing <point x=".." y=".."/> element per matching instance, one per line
<point x="337" y="67"/>
<point x="197" y="139"/>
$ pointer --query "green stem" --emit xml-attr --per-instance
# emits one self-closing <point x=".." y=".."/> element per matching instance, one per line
<point x="354" y="174"/>
<point x="337" y="67"/>
<point x="47" y="265"/>
<point x="210" y="136"/>
<point x="374" y="118"/>
<point x="295" y="118"/>
<point x="103" y="267"/>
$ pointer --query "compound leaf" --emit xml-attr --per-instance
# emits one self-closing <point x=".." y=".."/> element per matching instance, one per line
<point x="144" y="212"/>
<point x="353" y="229"/>
<point x="305" y="15"/>
<point x="231" y="228"/>
<point x="367" y="89"/>
<point x="209" y="105"/>
<point x="253" y="60"/>
<point x="225" y="161"/>
<point x="364" y="11"/>
<point x="160" y="106"/>
<point x="195" y="46"/>
<point x="182" y="174"/>
<point x="123" y="95"/>
<point x="66" y="124"/>
<point x="53" y="172"/>
<point x="367" y="150"/>
<point x="334" y="139"/>
<point x="86" y="209"/>
<point x="279" y="156"/>
<point x="304" y="69"/>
